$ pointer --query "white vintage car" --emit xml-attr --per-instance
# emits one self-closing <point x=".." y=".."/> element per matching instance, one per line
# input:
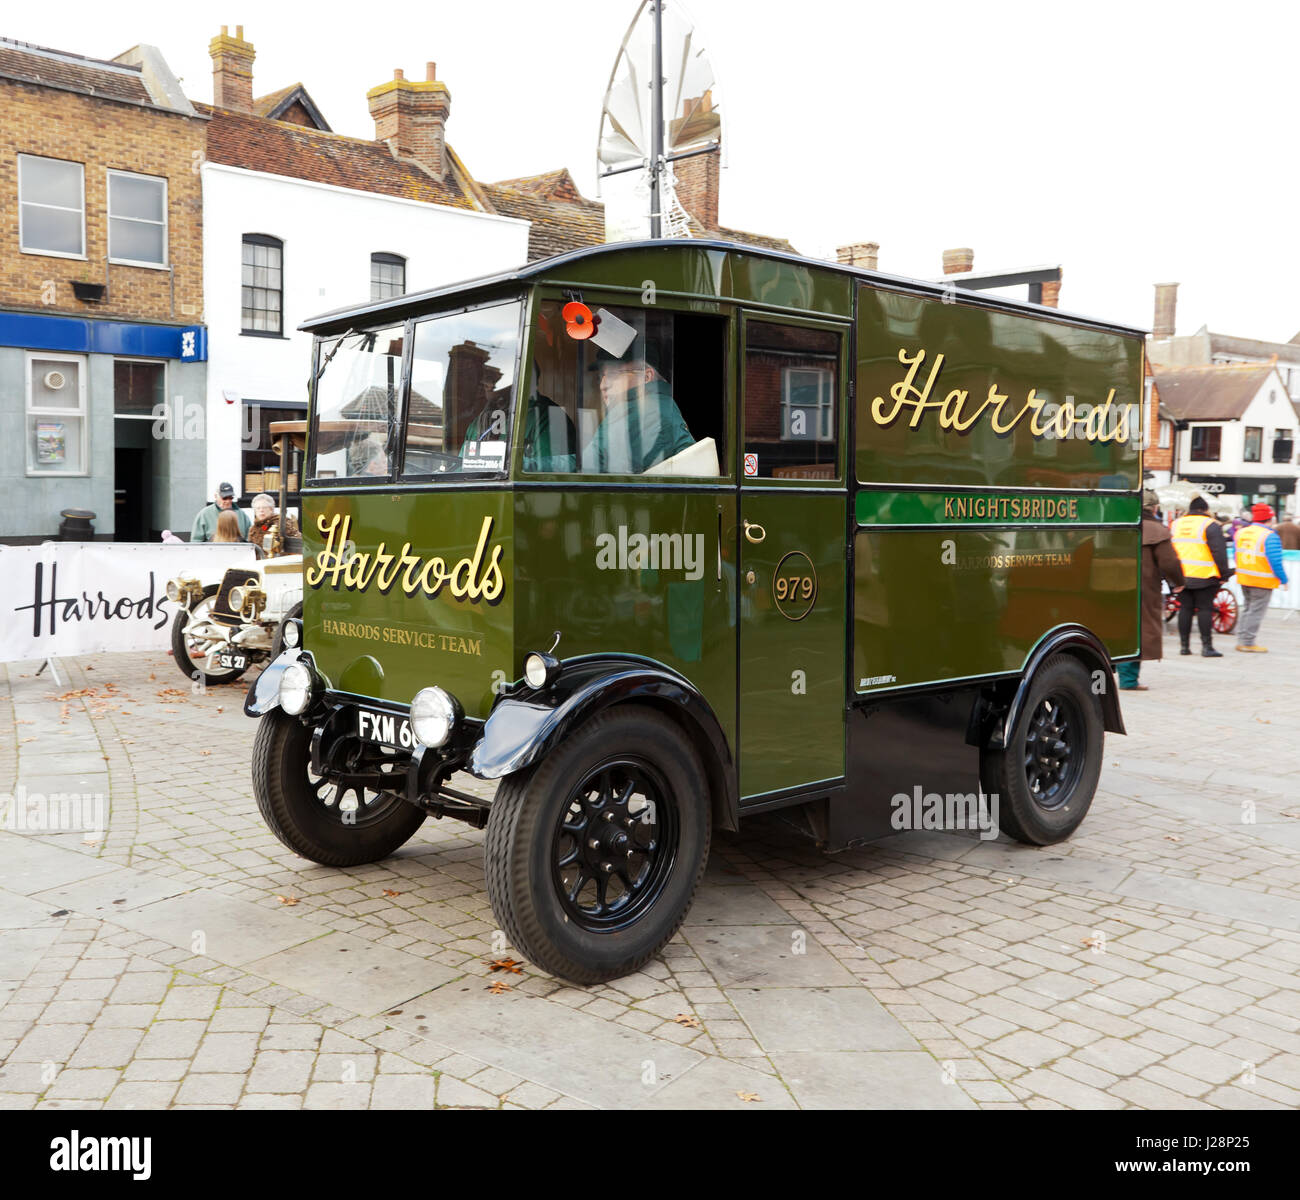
<point x="233" y="622"/>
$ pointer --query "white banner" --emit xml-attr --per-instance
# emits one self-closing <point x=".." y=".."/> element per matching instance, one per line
<point x="62" y="598"/>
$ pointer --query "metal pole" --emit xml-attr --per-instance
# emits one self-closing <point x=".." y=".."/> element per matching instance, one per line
<point x="657" y="121"/>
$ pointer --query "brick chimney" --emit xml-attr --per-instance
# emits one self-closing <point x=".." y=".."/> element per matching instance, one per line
<point x="414" y="116"/>
<point x="959" y="260"/>
<point x="1166" y="309"/>
<point x="860" y="254"/>
<point x="1051" y="293"/>
<point x="698" y="178"/>
<point x="232" y="70"/>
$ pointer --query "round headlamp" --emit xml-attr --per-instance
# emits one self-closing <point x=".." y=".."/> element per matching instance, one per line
<point x="434" y="714"/>
<point x="292" y="634"/>
<point x="296" y="687"/>
<point x="237" y="598"/>
<point x="173" y="592"/>
<point x="540" y="670"/>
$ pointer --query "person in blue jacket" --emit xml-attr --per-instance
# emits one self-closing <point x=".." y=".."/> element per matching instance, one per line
<point x="1260" y="570"/>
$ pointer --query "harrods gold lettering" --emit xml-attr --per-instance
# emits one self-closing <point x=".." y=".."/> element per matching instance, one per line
<point x="1102" y="423"/>
<point x="476" y="577"/>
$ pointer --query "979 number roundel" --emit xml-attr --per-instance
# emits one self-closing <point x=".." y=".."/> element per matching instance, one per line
<point x="388" y="729"/>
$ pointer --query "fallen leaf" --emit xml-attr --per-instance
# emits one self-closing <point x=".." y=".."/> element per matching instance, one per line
<point x="1092" y="943"/>
<point x="506" y="964"/>
<point x="394" y="1012"/>
<point x="205" y="753"/>
<point x="152" y="676"/>
<point x="498" y="986"/>
<point x="30" y="739"/>
<point x="688" y="1019"/>
<point x="1172" y="837"/>
<point x="390" y="892"/>
<point x="750" y="1097"/>
<point x="287" y="899"/>
<point x="221" y="708"/>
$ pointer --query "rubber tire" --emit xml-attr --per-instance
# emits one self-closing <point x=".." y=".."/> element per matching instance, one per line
<point x="521" y="825"/>
<point x="1018" y="814"/>
<point x="182" y="656"/>
<point x="277" y="642"/>
<point x="281" y="751"/>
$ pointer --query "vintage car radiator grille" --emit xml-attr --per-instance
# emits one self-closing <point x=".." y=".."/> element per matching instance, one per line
<point x="235" y="577"/>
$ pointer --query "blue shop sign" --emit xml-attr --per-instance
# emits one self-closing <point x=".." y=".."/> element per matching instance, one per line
<point x="77" y="335"/>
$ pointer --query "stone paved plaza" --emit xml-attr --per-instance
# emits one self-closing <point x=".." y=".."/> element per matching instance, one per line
<point x="186" y="959"/>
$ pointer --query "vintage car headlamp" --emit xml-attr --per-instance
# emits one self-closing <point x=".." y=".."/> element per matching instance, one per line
<point x="237" y="597"/>
<point x="297" y="688"/>
<point x="540" y="670"/>
<point x="173" y="590"/>
<point x="434" y="714"/>
<point x="292" y="637"/>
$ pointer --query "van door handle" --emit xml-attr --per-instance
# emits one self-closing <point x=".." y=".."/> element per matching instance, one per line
<point x="754" y="533"/>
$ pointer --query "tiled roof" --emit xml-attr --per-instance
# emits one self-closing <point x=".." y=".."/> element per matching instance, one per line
<point x="560" y="224"/>
<point x="1218" y="393"/>
<point x="557" y="225"/>
<point x="278" y="103"/>
<point x="280" y="148"/>
<point x="93" y="77"/>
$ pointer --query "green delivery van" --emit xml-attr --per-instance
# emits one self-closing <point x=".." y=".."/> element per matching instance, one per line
<point x="659" y="535"/>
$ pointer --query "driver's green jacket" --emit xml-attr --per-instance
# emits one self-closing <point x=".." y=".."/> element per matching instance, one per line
<point x="633" y="437"/>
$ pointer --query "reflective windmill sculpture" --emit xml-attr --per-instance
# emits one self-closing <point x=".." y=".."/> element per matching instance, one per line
<point x="661" y="107"/>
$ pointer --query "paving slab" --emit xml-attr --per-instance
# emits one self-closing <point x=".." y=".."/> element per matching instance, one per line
<point x="575" y="1053"/>
<point x="717" y="1083"/>
<point x="765" y="955"/>
<point x="819" y="1018"/>
<point x="22" y="949"/>
<point x="29" y="864"/>
<point x="234" y="931"/>
<point x="112" y="892"/>
<point x="352" y="972"/>
<point x="22" y="912"/>
<point x="736" y="904"/>
<point x="853" y="1079"/>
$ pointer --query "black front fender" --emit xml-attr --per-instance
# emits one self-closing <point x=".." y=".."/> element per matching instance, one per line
<point x="525" y="726"/>
<point x="264" y="693"/>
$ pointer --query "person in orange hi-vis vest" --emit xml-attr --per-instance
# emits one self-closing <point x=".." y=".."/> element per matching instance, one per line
<point x="1203" y="552"/>
<point x="1259" y="571"/>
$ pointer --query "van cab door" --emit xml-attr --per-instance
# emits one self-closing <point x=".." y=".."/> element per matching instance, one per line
<point x="792" y="559"/>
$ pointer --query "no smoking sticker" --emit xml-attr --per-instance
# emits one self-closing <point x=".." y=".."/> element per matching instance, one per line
<point x="751" y="465"/>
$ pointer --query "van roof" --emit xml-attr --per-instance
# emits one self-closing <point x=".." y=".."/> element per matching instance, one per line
<point x="399" y="307"/>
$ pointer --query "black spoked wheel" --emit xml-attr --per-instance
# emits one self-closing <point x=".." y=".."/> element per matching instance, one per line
<point x="615" y="845"/>
<point x="593" y="856"/>
<point x="1045" y="780"/>
<point x="339" y="825"/>
<point x="1053" y="748"/>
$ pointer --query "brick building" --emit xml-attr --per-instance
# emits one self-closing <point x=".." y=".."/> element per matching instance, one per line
<point x="101" y="293"/>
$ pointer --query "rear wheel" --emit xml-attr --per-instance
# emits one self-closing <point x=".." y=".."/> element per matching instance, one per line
<point x="593" y="857"/>
<point x="1046" y="778"/>
<point x="194" y="653"/>
<point x="1225" y="611"/>
<point x="329" y="823"/>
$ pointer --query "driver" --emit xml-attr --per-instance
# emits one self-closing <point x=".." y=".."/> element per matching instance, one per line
<point x="640" y="424"/>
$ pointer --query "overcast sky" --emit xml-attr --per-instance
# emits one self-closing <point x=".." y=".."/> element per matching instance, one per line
<point x="1129" y="142"/>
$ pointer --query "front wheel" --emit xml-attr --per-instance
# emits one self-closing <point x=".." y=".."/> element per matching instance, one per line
<point x="329" y="823"/>
<point x="1045" y="779"/>
<point x="195" y="655"/>
<point x="593" y="857"/>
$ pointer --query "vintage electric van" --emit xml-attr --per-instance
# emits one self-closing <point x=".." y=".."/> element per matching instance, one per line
<point x="663" y="534"/>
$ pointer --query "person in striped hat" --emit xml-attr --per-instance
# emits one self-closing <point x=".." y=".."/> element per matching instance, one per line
<point x="1259" y="571"/>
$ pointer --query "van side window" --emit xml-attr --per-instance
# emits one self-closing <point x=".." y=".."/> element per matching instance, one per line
<point x="358" y="383"/>
<point x="626" y="391"/>
<point x="791" y="402"/>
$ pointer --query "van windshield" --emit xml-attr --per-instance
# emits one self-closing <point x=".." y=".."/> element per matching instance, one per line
<point x="449" y="416"/>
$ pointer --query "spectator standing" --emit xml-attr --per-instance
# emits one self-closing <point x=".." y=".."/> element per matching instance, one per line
<point x="1289" y="532"/>
<point x="1158" y="562"/>
<point x="1203" y="554"/>
<point x="1259" y="571"/>
<point x="205" y="524"/>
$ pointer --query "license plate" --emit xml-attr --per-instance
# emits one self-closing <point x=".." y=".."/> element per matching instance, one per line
<point x="384" y="729"/>
<point x="230" y="661"/>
